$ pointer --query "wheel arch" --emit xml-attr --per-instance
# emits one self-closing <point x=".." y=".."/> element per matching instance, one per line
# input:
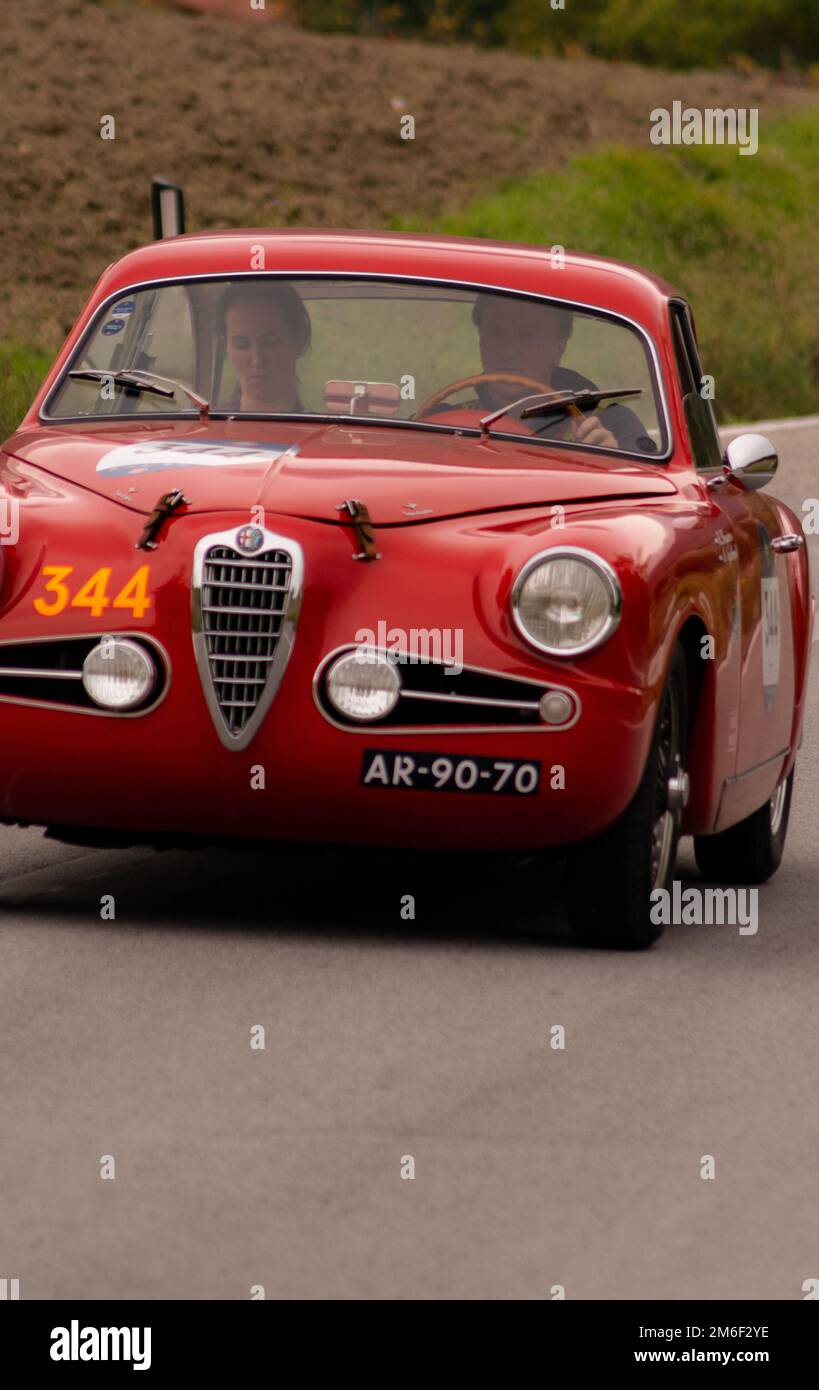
<point x="702" y="690"/>
<point x="690" y="638"/>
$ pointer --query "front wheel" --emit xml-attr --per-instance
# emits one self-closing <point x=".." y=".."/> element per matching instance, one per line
<point x="611" y="878"/>
<point x="750" y="851"/>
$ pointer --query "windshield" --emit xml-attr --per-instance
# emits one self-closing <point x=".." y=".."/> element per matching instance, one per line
<point x="374" y="348"/>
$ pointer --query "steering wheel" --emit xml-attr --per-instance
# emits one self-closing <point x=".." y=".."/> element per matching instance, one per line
<point x="438" y="396"/>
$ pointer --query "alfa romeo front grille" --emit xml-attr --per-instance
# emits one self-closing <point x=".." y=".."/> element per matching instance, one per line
<point x="243" y="604"/>
<point x="244" y="613"/>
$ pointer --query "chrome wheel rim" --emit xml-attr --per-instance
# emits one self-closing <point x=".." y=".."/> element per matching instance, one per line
<point x="661" y="848"/>
<point x="777" y="805"/>
<point x="668" y="766"/>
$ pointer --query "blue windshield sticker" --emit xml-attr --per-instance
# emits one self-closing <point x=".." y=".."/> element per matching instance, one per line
<point x="163" y="454"/>
<point x="112" y="326"/>
<point x="126" y="307"/>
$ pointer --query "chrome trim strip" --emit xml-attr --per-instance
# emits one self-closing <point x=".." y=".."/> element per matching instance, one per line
<point x="615" y="600"/>
<point x="757" y="767"/>
<point x="284" y="641"/>
<point x="469" y="700"/>
<point x="372" y="729"/>
<point x="35" y="673"/>
<point x="92" y="637"/>
<point x="598" y="309"/>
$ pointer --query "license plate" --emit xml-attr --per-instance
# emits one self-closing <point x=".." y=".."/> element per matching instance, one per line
<point x="446" y="772"/>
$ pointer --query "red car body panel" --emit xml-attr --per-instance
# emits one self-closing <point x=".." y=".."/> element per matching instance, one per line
<point x="487" y="508"/>
<point x="455" y="476"/>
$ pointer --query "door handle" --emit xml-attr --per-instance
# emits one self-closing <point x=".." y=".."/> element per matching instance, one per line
<point x="786" y="543"/>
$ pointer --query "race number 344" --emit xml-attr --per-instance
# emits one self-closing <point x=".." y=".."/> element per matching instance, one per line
<point x="60" y="591"/>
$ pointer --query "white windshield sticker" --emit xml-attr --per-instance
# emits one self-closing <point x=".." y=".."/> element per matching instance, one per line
<point x="161" y="454"/>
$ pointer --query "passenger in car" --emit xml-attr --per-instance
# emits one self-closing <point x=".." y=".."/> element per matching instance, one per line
<point x="265" y="329"/>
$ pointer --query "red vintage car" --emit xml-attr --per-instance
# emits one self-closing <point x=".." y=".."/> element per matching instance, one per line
<point x="399" y="541"/>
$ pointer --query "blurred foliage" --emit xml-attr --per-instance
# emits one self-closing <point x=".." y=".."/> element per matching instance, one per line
<point x="737" y="236"/>
<point x="22" y="370"/>
<point x="672" y="33"/>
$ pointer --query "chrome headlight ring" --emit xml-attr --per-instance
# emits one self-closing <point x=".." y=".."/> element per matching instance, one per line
<point x="602" y="570"/>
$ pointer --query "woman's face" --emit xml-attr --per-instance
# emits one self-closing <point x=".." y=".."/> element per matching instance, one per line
<point x="263" y="353"/>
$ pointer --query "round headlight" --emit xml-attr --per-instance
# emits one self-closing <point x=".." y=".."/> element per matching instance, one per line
<point x="118" y="674"/>
<point x="363" y="685"/>
<point x="567" y="601"/>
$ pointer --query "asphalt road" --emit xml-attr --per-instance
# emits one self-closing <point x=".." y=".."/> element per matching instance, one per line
<point x="384" y="1038"/>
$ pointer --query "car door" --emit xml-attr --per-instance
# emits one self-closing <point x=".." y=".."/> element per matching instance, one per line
<point x="752" y="524"/>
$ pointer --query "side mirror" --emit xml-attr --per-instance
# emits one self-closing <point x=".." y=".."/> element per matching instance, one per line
<point x="168" y="209"/>
<point x="751" y="460"/>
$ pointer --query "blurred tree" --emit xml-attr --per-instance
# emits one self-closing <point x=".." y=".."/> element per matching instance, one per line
<point x="696" y="33"/>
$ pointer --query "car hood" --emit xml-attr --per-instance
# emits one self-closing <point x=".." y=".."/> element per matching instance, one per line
<point x="402" y="475"/>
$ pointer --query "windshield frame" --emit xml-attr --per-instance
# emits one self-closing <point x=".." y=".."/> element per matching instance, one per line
<point x="311" y="417"/>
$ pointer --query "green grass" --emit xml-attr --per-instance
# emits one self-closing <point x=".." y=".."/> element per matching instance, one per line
<point x="738" y="235"/>
<point x="22" y="370"/>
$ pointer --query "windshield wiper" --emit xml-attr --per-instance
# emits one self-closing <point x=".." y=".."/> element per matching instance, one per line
<point x="558" y="401"/>
<point x="137" y="380"/>
<point x="312" y="417"/>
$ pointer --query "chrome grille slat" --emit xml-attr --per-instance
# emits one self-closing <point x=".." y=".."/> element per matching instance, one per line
<point x="242" y="611"/>
<point x="240" y="680"/>
<point x="249" y="584"/>
<point x="243" y="604"/>
<point x="266" y="564"/>
<point x="234" y="656"/>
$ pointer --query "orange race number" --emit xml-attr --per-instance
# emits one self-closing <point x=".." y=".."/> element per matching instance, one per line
<point x="93" y="593"/>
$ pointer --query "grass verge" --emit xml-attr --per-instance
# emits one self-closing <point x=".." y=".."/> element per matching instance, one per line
<point x="21" y="372"/>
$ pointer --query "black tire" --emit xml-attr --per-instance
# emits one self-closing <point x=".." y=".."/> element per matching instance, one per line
<point x="610" y="878"/>
<point x="750" y="851"/>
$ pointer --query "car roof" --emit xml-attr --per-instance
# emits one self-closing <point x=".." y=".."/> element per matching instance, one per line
<point x="599" y="281"/>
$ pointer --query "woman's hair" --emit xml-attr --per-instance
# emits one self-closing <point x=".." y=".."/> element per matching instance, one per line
<point x="279" y="296"/>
